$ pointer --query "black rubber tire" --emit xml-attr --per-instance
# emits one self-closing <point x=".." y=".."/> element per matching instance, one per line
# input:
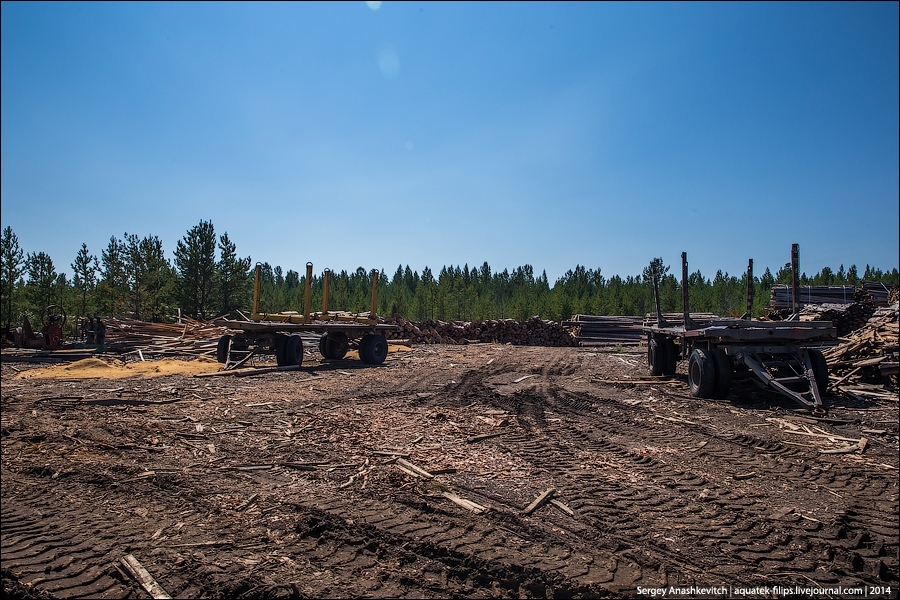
<point x="222" y="349"/>
<point x="373" y="349"/>
<point x="279" y="343"/>
<point x="723" y="374"/>
<point x="292" y="353"/>
<point x="323" y="348"/>
<point x="656" y="356"/>
<point x="671" y="358"/>
<point x="337" y="345"/>
<point x="701" y="374"/>
<point x="820" y="368"/>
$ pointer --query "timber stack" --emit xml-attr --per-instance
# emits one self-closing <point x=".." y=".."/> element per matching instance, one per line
<point x="782" y="295"/>
<point x="876" y="292"/>
<point x="866" y="360"/>
<point x="532" y="332"/>
<point x="846" y="317"/>
<point x="601" y="330"/>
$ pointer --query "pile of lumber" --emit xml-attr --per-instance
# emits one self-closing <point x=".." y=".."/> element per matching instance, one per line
<point x="866" y="360"/>
<point x="594" y="330"/>
<point x="188" y="337"/>
<point x="846" y="317"/>
<point x="532" y="332"/>
<point x="877" y="293"/>
<point x="782" y="295"/>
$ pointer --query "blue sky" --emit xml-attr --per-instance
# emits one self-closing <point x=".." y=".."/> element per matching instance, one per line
<point x="550" y="134"/>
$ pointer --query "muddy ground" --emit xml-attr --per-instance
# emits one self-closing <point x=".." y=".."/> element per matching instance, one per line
<point x="287" y="485"/>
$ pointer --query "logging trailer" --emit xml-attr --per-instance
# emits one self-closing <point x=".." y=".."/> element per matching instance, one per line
<point x="783" y="356"/>
<point x="280" y="333"/>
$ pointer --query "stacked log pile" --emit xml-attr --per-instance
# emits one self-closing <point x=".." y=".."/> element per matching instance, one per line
<point x="533" y="332"/>
<point x="846" y="317"/>
<point x="782" y="296"/>
<point x="593" y="330"/>
<point x="868" y="356"/>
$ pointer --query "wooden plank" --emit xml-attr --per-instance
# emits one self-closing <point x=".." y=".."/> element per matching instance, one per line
<point x="844" y="450"/>
<point x="822" y="435"/>
<point x="639" y="381"/>
<point x="142" y="576"/>
<point x="483" y="436"/>
<point x="467" y="504"/>
<point x="562" y="507"/>
<point x="542" y="497"/>
<point x="407" y="471"/>
<point x="412" y="467"/>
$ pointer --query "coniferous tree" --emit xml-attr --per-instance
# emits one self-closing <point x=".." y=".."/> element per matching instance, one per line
<point x="195" y="263"/>
<point x="41" y="287"/>
<point x="113" y="287"/>
<point x="85" y="268"/>
<point x="233" y="276"/>
<point x="12" y="267"/>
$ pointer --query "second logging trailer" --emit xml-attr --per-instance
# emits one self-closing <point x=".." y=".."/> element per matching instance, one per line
<point x="783" y="356"/>
<point x="279" y="333"/>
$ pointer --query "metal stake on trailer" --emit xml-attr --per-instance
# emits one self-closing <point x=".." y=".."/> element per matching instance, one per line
<point x="783" y="356"/>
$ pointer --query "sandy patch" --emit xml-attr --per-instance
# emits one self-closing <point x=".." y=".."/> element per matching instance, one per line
<point x="96" y="368"/>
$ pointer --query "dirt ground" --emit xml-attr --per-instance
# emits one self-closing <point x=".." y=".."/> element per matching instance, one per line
<point x="299" y="484"/>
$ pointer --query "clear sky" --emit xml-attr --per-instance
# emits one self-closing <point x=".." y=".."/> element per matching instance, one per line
<point x="551" y="134"/>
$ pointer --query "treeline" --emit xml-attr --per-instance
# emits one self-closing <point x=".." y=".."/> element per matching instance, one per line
<point x="133" y="278"/>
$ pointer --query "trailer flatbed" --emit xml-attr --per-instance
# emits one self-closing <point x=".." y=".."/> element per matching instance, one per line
<point x="279" y="333"/>
<point x="780" y="355"/>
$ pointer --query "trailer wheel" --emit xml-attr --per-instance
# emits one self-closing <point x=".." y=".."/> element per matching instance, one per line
<point x="820" y="368"/>
<point x="656" y="356"/>
<point x="373" y="349"/>
<point x="279" y="343"/>
<point x="292" y="352"/>
<point x="336" y="345"/>
<point x="323" y="349"/>
<point x="702" y="374"/>
<point x="671" y="358"/>
<point x="723" y="374"/>
<point x="222" y="349"/>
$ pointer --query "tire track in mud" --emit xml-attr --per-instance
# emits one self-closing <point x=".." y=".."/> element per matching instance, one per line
<point x="715" y="512"/>
<point x="448" y="547"/>
<point x="721" y="515"/>
<point x="63" y="553"/>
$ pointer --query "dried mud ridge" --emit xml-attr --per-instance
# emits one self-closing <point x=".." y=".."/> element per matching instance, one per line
<point x="283" y="486"/>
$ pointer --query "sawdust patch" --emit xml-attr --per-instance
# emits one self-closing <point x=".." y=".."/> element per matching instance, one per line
<point x="96" y="368"/>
